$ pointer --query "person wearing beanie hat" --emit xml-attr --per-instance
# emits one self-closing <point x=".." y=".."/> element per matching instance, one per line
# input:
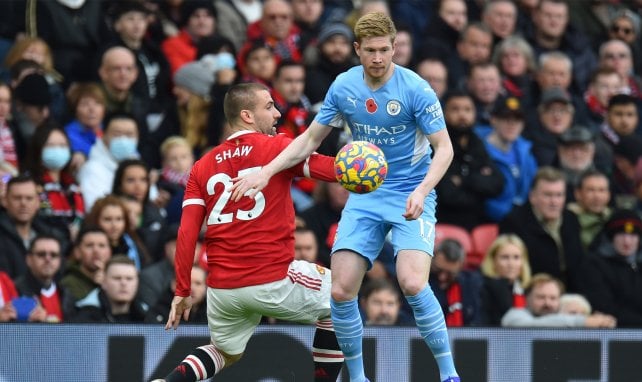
<point x="199" y="21"/>
<point x="334" y="29"/>
<point x="32" y="104"/>
<point x="611" y="275"/>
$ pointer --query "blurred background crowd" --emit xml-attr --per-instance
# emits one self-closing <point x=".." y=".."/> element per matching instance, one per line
<point x="105" y="106"/>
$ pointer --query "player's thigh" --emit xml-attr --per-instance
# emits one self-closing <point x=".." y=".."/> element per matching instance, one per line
<point x="303" y="296"/>
<point x="362" y="229"/>
<point x="418" y="234"/>
<point x="348" y="269"/>
<point x="230" y="322"/>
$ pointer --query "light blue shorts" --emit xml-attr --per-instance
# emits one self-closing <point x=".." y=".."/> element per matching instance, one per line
<point x="367" y="219"/>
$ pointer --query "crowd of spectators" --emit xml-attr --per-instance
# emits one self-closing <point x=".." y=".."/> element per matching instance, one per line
<point x="106" y="105"/>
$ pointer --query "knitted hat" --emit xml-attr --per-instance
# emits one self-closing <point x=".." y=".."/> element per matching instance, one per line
<point x="190" y="6"/>
<point x="576" y="134"/>
<point x="33" y="90"/>
<point x="335" y="29"/>
<point x="196" y="76"/>
<point x="122" y="7"/>
<point x="623" y="221"/>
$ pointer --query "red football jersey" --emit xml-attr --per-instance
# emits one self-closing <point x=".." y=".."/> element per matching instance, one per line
<point x="251" y="241"/>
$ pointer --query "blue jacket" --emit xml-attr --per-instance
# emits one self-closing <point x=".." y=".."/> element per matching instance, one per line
<point x="515" y="190"/>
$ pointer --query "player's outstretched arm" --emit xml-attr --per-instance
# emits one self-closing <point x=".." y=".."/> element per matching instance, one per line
<point x="297" y="151"/>
<point x="443" y="155"/>
<point x="181" y="307"/>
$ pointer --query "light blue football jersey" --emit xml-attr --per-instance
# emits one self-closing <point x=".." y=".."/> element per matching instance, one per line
<point x="396" y="117"/>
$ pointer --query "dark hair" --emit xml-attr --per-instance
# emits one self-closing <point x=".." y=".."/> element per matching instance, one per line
<point x="214" y="45"/>
<point x="117" y="186"/>
<point x="622" y="99"/>
<point x="286" y="64"/>
<point x="376" y="285"/>
<point x="118" y="115"/>
<point x="42" y="236"/>
<point x="20" y="178"/>
<point x="86" y="230"/>
<point x="590" y="173"/>
<point x="452" y="250"/>
<point x="34" y="158"/>
<point x="15" y="71"/>
<point x="455" y="93"/>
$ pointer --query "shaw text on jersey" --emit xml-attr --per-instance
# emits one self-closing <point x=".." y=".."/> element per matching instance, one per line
<point x="237" y="152"/>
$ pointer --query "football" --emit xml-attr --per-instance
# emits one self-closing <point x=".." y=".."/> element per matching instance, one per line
<point x="360" y="167"/>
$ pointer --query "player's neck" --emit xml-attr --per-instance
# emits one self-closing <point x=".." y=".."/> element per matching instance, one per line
<point x="376" y="83"/>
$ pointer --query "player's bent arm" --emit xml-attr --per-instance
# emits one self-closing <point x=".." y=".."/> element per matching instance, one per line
<point x="319" y="167"/>
<point x="190" y="227"/>
<point x="443" y="156"/>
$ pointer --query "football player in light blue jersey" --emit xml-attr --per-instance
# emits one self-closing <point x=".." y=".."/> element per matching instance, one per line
<point x="398" y="111"/>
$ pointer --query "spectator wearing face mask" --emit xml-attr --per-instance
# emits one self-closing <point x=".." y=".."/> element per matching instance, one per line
<point x="119" y="142"/>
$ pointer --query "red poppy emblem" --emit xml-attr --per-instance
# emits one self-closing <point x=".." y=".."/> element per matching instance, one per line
<point x="371" y="105"/>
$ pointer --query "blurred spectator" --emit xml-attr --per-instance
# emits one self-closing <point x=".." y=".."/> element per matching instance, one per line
<point x="501" y="18"/>
<point x="111" y="215"/>
<point x="380" y="303"/>
<point x="335" y="56"/>
<point x="506" y="272"/>
<point x="178" y="160"/>
<point x="234" y="16"/>
<point x="277" y="30"/>
<point x="627" y="155"/>
<point x="20" y="223"/>
<point x="472" y="176"/>
<point x="616" y="54"/>
<point x="611" y="278"/>
<point x="593" y="18"/>
<point x="474" y="47"/>
<point x="130" y="19"/>
<point x="12" y="148"/>
<point x="44" y="260"/>
<point x="573" y="303"/>
<point x="159" y="313"/>
<point x="305" y="245"/>
<point x="625" y="26"/>
<point x="87" y="104"/>
<point x="7" y="293"/>
<point x="192" y="86"/>
<point x="198" y="18"/>
<point x="604" y="84"/>
<point x="554" y="117"/>
<point x="85" y="268"/>
<point x="404" y="52"/>
<point x="115" y="301"/>
<point x="72" y="29"/>
<point x="591" y="205"/>
<point x="158" y="277"/>
<point x="118" y="142"/>
<point x="37" y="50"/>
<point x="516" y="62"/>
<point x="484" y="84"/>
<point x="622" y="119"/>
<point x="132" y="179"/>
<point x="435" y="72"/>
<point x="443" y="30"/>
<point x="366" y="6"/>
<point x="511" y="154"/>
<point x="553" y="32"/>
<point x="456" y="289"/>
<point x="323" y="216"/>
<point x="543" y="305"/>
<point x="575" y="156"/>
<point x="49" y="162"/>
<point x="307" y="16"/>
<point x="32" y="105"/>
<point x="550" y="231"/>
<point x="118" y="73"/>
<point x="260" y="64"/>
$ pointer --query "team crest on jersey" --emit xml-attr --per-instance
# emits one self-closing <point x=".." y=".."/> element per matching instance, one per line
<point x="371" y="105"/>
<point x="321" y="270"/>
<point x="393" y="107"/>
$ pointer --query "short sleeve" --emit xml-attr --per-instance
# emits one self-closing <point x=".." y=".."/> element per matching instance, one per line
<point x="428" y="113"/>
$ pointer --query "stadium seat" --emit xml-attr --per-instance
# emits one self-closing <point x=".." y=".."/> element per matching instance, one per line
<point x="482" y="237"/>
<point x="451" y="231"/>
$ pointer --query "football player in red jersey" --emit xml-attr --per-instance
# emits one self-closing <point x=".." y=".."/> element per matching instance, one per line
<point x="250" y="245"/>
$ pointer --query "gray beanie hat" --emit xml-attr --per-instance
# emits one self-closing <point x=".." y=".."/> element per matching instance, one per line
<point x="199" y="76"/>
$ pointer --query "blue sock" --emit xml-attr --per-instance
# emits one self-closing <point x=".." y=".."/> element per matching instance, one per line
<point x="348" y="328"/>
<point x="432" y="326"/>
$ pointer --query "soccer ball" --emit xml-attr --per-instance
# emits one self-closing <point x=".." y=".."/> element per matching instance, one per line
<point x="360" y="167"/>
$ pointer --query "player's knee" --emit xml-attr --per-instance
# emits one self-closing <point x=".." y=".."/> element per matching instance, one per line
<point x="411" y="286"/>
<point x="342" y="294"/>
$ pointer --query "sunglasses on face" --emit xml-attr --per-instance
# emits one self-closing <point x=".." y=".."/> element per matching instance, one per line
<point x="44" y="254"/>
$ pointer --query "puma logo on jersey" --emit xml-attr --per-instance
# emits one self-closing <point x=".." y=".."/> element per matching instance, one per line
<point x="353" y="101"/>
<point x="237" y="152"/>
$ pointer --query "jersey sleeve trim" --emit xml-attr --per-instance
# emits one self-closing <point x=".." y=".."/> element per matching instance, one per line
<point x="191" y="202"/>
<point x="306" y="168"/>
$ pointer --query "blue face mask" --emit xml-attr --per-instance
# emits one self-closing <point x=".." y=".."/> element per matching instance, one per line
<point x="55" y="158"/>
<point x="123" y="148"/>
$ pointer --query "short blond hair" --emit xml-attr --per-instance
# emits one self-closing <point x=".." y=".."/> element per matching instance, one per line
<point x="374" y="24"/>
<point x="173" y="141"/>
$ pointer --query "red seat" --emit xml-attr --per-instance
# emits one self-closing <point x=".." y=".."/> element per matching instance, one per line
<point x="482" y="237"/>
<point x="451" y="231"/>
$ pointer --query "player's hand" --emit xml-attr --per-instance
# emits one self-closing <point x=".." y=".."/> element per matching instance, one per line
<point x="248" y="185"/>
<point x="414" y="205"/>
<point x="180" y="308"/>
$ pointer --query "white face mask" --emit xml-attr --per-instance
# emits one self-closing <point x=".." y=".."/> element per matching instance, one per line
<point x="123" y="147"/>
<point x="73" y="4"/>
